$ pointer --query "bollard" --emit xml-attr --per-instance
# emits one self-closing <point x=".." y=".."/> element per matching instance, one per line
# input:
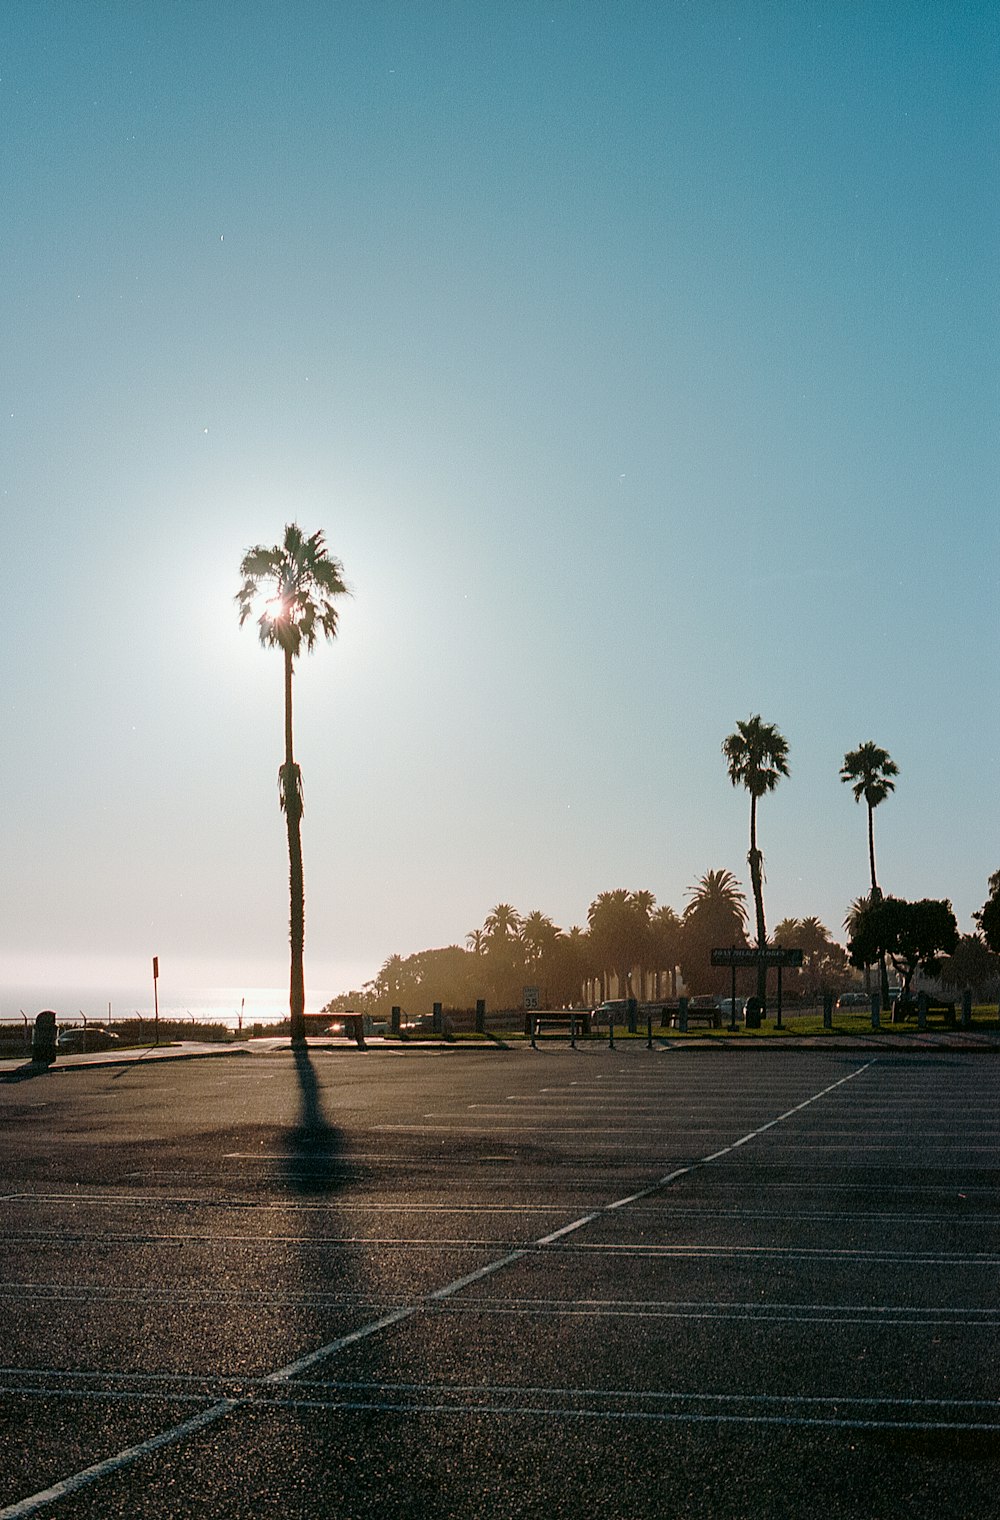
<point x="682" y="1015"/>
<point x="828" y="1010"/>
<point x="395" y="1019"/>
<point x="480" y="1015"/>
<point x="611" y="1030"/>
<point x="876" y="1009"/>
<point x="437" y="1021"/>
<point x="43" y="1040"/>
<point x="649" y="1032"/>
<point x="922" y="1010"/>
<point x="967" y="1009"/>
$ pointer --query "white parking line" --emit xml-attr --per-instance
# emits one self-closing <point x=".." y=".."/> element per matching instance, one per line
<point x="137" y="1200"/>
<point x="114" y="1464"/>
<point x="30" y="1506"/>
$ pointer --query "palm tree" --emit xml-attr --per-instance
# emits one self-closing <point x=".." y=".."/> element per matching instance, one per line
<point x="538" y="935"/>
<point x="298" y="580"/>
<point x="714" y="917"/>
<point x="718" y="897"/>
<point x="870" y="770"/>
<point x="852" y="923"/>
<point x="502" y="922"/>
<point x="757" y="757"/>
<point x="665" y="934"/>
<point x="619" y="927"/>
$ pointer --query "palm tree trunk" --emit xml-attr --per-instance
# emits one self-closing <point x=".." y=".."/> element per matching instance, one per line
<point x="871" y="845"/>
<point x="876" y="894"/>
<point x="291" y="802"/>
<point x="756" y="881"/>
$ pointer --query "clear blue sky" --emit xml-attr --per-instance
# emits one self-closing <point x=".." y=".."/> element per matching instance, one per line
<point x="639" y="362"/>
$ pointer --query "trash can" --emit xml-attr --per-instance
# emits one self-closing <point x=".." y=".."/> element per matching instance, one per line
<point x="43" y="1039"/>
<point x="753" y="1013"/>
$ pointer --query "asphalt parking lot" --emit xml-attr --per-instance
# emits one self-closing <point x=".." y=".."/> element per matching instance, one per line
<point x="483" y="1283"/>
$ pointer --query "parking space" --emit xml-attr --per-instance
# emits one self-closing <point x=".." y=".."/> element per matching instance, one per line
<point x="525" y="1283"/>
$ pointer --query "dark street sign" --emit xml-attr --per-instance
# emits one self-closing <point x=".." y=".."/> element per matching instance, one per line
<point x="748" y="955"/>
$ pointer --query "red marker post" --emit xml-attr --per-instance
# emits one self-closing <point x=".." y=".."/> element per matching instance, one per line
<point x="156" y="998"/>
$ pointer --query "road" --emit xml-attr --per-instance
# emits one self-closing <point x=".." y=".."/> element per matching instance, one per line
<point x="482" y="1283"/>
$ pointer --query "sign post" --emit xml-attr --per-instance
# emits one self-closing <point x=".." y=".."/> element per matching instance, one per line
<point x="749" y="955"/>
<point x="156" y="998"/>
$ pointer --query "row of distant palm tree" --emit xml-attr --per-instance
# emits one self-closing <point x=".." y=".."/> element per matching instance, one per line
<point x="630" y="946"/>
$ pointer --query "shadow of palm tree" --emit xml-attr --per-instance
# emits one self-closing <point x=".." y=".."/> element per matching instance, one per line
<point x="315" y="1157"/>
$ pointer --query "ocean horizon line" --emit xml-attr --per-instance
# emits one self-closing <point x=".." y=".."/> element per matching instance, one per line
<point x="206" y="1004"/>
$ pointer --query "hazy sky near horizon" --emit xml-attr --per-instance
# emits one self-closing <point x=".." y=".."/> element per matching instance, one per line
<point x="638" y="361"/>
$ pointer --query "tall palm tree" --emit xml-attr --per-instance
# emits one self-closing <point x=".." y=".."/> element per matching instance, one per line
<point x="757" y="757"/>
<point x="292" y="586"/>
<point x="870" y="770"/>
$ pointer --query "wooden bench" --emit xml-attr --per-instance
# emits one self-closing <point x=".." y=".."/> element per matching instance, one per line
<point x="710" y="1017"/>
<point x="574" y="1022"/>
<point x="910" y="1009"/>
<point x="702" y="1014"/>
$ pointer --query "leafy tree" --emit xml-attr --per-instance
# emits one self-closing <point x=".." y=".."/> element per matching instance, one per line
<point x="972" y="965"/>
<point x="870" y="770"/>
<point x="912" y="934"/>
<point x="298" y="581"/>
<point x="756" y="758"/>
<point x="391" y="980"/>
<point x="988" y="917"/>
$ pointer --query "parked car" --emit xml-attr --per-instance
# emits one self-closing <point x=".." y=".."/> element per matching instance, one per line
<point x="612" y="1008"/>
<point x="853" y="1000"/>
<point x="77" y="1038"/>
